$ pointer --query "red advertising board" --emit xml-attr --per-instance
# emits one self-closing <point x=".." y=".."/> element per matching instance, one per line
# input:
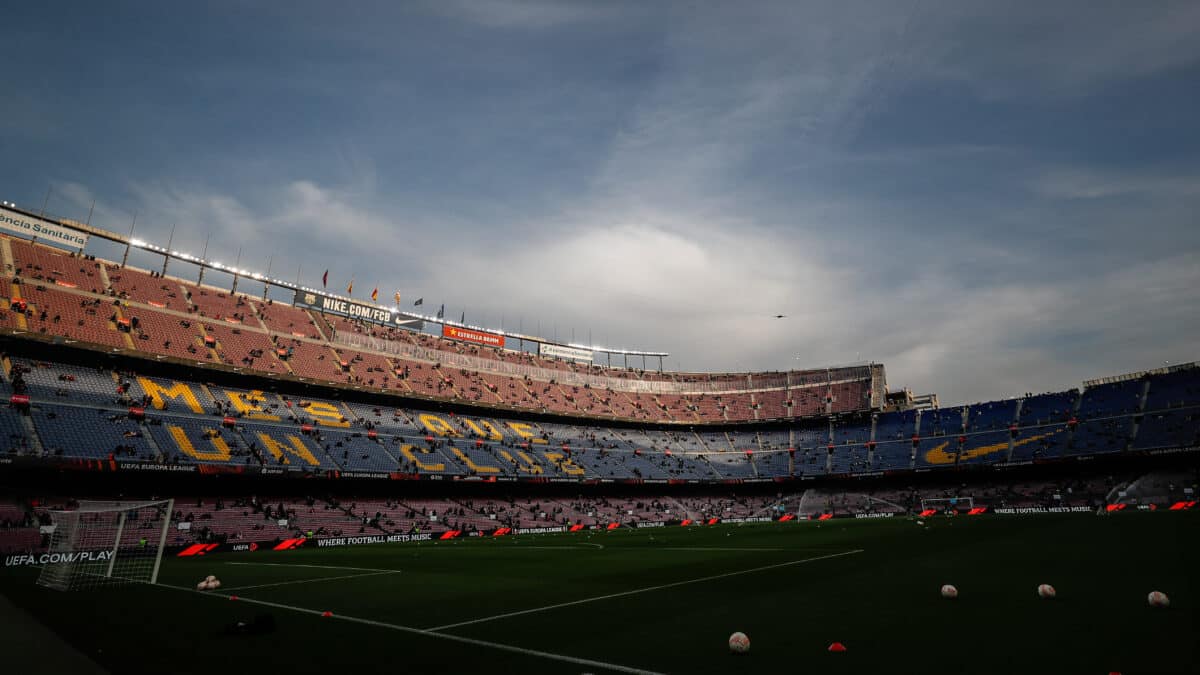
<point x="477" y="336"/>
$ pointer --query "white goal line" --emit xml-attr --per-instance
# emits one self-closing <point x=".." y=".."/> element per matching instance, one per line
<point x="613" y="667"/>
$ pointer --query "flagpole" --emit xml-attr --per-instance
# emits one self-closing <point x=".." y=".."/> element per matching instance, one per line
<point x="267" y="278"/>
<point x="129" y="241"/>
<point x="203" y="260"/>
<point x="167" y="253"/>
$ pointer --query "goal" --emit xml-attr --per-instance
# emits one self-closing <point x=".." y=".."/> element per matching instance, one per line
<point x="106" y="544"/>
<point x="942" y="503"/>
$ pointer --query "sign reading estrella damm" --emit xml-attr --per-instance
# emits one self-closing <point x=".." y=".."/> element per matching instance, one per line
<point x="476" y="336"/>
<point x="32" y="226"/>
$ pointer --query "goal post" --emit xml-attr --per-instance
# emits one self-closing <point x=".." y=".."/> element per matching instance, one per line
<point x="102" y="544"/>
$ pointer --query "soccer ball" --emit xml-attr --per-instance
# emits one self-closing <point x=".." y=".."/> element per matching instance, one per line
<point x="210" y="578"/>
<point x="949" y="591"/>
<point x="1158" y="599"/>
<point x="202" y="586"/>
<point x="1046" y="592"/>
<point x="214" y="584"/>
<point x="739" y="643"/>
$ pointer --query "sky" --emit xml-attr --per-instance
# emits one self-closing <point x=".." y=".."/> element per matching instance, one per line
<point x="988" y="198"/>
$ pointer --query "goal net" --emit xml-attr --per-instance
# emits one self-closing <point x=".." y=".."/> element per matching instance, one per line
<point x="106" y="544"/>
<point x="947" y="503"/>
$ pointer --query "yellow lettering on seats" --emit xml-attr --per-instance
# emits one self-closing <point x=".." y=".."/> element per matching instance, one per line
<point x="478" y="468"/>
<point x="488" y="430"/>
<point x="185" y="446"/>
<point x="178" y="390"/>
<point x="528" y="465"/>
<point x="437" y="425"/>
<point x="564" y="463"/>
<point x="407" y="451"/>
<point x="525" y="431"/>
<point x="249" y="404"/>
<point x="280" y="451"/>
<point x="326" y="414"/>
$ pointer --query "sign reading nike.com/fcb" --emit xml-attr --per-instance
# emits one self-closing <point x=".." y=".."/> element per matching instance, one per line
<point x="32" y="226"/>
<point x="349" y="309"/>
<point x="476" y="336"/>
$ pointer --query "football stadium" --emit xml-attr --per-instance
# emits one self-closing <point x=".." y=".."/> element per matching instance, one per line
<point x="221" y="466"/>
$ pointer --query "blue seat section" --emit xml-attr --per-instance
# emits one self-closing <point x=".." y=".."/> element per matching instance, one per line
<point x="384" y="419"/>
<point x="845" y="431"/>
<point x="1100" y="436"/>
<point x="423" y="454"/>
<point x="174" y="405"/>
<point x="14" y="440"/>
<point x="731" y="464"/>
<point x="942" y="422"/>
<point x="896" y="426"/>
<point x="936" y="452"/>
<point x="87" y="432"/>
<point x="1111" y="398"/>
<point x="893" y="456"/>
<point x="268" y="402"/>
<point x="1047" y="408"/>
<point x="773" y="440"/>
<point x="355" y="452"/>
<point x="201" y="434"/>
<point x="286" y="438"/>
<point x="620" y="464"/>
<point x="812" y="438"/>
<point x="850" y="459"/>
<point x="811" y="461"/>
<point x="521" y="462"/>
<point x="988" y="447"/>
<point x="771" y="464"/>
<point x="52" y="382"/>
<point x="1169" y="429"/>
<point x="480" y="456"/>
<point x="1042" y="442"/>
<point x="719" y="441"/>
<point x="992" y="416"/>
<point x="1174" y="390"/>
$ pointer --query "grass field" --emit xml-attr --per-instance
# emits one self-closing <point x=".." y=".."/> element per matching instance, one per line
<point x="666" y="600"/>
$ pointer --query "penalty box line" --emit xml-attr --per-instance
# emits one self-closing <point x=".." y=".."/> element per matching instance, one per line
<point x="614" y="667"/>
<point x="312" y="580"/>
<point x="636" y="591"/>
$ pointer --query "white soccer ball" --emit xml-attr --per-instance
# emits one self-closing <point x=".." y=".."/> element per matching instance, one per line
<point x="202" y="586"/>
<point x="1158" y="599"/>
<point x="1046" y="592"/>
<point x="214" y="584"/>
<point x="209" y="578"/>
<point x="739" y="643"/>
<point x="949" y="591"/>
<point x="920" y="522"/>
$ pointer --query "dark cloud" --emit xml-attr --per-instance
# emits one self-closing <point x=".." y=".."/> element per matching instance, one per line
<point x="987" y="199"/>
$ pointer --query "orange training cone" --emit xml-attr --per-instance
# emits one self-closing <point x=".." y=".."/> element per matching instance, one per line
<point x="837" y="647"/>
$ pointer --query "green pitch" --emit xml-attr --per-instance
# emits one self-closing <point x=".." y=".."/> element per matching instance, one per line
<point x="665" y="601"/>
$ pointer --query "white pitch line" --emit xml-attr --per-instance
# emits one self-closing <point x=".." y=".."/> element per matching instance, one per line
<point x="441" y="636"/>
<point x="310" y="581"/>
<point x="715" y="548"/>
<point x="641" y="590"/>
<point x="319" y="567"/>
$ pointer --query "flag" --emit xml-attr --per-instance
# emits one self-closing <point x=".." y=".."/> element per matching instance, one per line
<point x="441" y="311"/>
<point x="463" y="320"/>
<point x="375" y="294"/>
<point x="325" y="279"/>
<point x="350" y="288"/>
<point x="397" y="297"/>
<point x="419" y="302"/>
